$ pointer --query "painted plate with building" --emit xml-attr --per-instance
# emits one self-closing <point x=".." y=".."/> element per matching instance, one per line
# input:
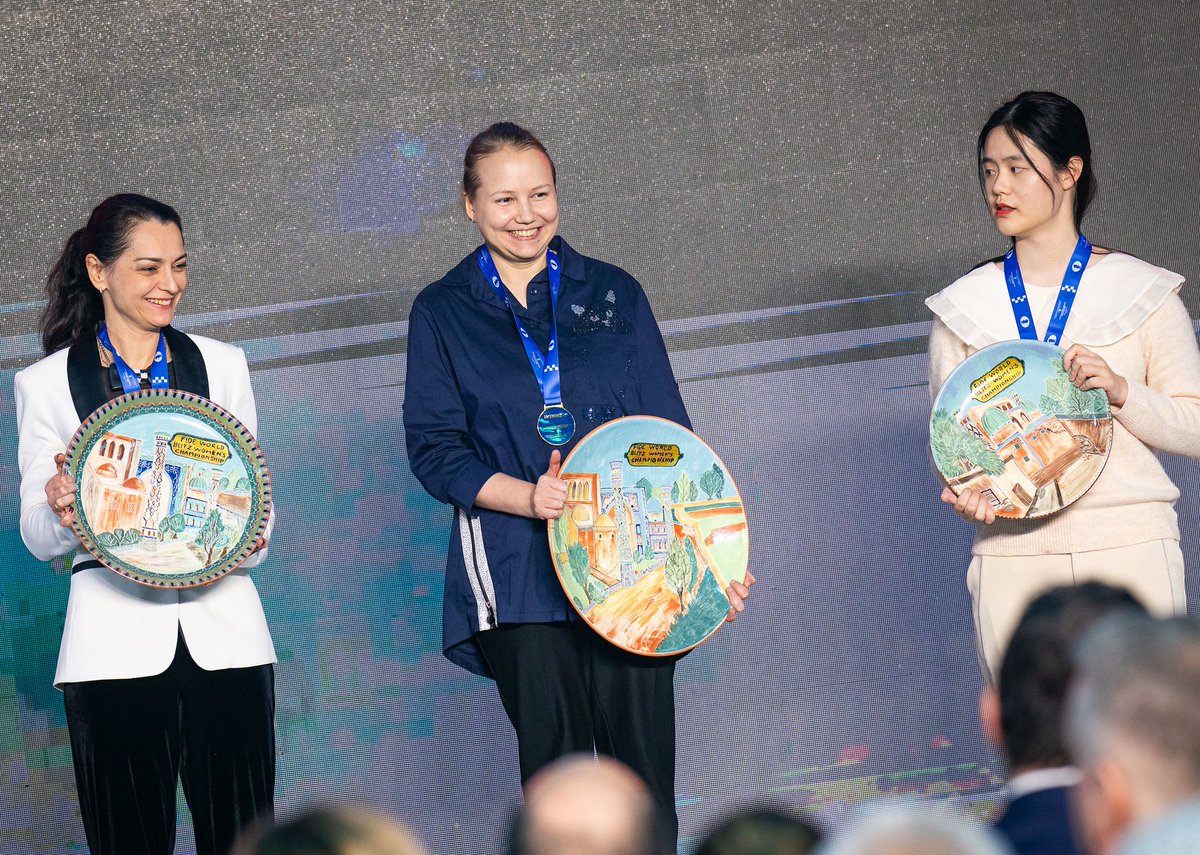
<point x="171" y="490"/>
<point x="1009" y="424"/>
<point x="653" y="533"/>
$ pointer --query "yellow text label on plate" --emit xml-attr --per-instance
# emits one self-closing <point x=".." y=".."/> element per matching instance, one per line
<point x="998" y="379"/>
<point x="653" y="454"/>
<point x="205" y="450"/>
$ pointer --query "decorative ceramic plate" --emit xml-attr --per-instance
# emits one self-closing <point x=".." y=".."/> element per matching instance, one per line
<point x="653" y="532"/>
<point x="1009" y="424"/>
<point x="170" y="490"/>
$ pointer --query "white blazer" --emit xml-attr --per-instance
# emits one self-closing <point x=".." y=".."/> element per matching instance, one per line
<point x="116" y="628"/>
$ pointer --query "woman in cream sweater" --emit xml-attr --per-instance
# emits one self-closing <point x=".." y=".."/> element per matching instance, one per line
<point x="1127" y="333"/>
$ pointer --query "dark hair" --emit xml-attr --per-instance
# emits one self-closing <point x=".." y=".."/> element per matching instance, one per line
<point x="498" y="136"/>
<point x="1037" y="668"/>
<point x="74" y="309"/>
<point x="761" y="831"/>
<point x="1057" y="127"/>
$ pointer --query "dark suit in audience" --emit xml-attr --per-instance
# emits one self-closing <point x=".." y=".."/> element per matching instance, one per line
<point x="1023" y="714"/>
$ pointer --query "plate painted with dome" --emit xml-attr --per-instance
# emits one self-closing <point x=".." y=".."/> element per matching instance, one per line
<point x="170" y="489"/>
<point x="652" y="534"/>
<point x="1009" y="424"/>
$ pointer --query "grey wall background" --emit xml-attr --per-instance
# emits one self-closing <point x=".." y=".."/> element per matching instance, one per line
<point x="788" y="179"/>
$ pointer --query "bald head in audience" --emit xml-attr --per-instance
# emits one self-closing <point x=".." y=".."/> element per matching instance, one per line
<point x="1133" y="724"/>
<point x="581" y="805"/>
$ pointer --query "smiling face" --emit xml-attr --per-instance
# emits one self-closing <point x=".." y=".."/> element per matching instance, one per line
<point x="142" y="286"/>
<point x="1024" y="190"/>
<point x="515" y="207"/>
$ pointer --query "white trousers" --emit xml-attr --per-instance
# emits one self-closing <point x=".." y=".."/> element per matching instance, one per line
<point x="1003" y="586"/>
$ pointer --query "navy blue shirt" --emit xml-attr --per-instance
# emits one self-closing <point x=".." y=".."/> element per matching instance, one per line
<point x="471" y="403"/>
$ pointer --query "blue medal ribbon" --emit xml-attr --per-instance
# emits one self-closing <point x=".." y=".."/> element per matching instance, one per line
<point x="131" y="380"/>
<point x="1066" y="293"/>
<point x="555" y="425"/>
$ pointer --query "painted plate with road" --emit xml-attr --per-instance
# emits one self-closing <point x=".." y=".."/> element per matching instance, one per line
<point x="1009" y="424"/>
<point x="653" y="532"/>
<point x="171" y="490"/>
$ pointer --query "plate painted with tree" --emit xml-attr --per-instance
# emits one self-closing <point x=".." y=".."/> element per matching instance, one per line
<point x="170" y="489"/>
<point x="1009" y="424"/>
<point x="652" y="534"/>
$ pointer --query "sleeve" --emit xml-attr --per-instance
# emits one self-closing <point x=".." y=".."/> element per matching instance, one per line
<point x="435" y="421"/>
<point x="1164" y="410"/>
<point x="242" y="406"/>
<point x="946" y="352"/>
<point x="660" y="391"/>
<point x="37" y="443"/>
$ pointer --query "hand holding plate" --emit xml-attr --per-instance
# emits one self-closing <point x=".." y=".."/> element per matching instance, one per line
<point x="60" y="493"/>
<point x="970" y="505"/>
<point x="738" y="594"/>
<point x="549" y="494"/>
<point x="1087" y="370"/>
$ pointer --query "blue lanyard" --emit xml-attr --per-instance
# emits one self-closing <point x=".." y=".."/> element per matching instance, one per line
<point x="1066" y="293"/>
<point x="131" y="381"/>
<point x="545" y="366"/>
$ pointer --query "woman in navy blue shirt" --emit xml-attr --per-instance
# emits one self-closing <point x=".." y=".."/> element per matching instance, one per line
<point x="473" y="396"/>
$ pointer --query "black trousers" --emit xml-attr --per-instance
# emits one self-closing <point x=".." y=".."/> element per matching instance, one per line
<point x="131" y="740"/>
<point x="565" y="690"/>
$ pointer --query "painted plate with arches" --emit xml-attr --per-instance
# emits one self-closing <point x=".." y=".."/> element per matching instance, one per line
<point x="171" y="490"/>
<point x="1009" y="424"/>
<point x="653" y="532"/>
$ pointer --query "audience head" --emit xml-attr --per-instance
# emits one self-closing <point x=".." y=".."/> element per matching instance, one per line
<point x="760" y="832"/>
<point x="914" y="830"/>
<point x="331" y="831"/>
<point x="1023" y="713"/>
<point x="584" y="805"/>
<point x="1133" y="723"/>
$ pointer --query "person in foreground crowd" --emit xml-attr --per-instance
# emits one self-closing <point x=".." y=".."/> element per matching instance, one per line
<point x="484" y="345"/>
<point x="331" y="831"/>
<point x="157" y="683"/>
<point x="913" y="829"/>
<point x="760" y="832"/>
<point x="585" y="805"/>
<point x="1126" y="332"/>
<point x="1023" y="714"/>
<point x="1133" y="724"/>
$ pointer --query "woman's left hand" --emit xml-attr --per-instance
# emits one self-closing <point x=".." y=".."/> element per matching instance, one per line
<point x="738" y="593"/>
<point x="1086" y="370"/>
<point x="262" y="544"/>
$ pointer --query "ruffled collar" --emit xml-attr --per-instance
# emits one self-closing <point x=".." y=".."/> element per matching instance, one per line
<point x="1118" y="292"/>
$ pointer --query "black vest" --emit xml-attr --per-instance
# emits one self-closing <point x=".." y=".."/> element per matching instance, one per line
<point x="83" y="367"/>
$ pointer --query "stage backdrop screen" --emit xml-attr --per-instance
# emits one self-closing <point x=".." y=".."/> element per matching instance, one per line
<point x="789" y="181"/>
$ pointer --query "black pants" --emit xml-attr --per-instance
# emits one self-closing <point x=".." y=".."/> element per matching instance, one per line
<point x="566" y="689"/>
<point x="132" y="739"/>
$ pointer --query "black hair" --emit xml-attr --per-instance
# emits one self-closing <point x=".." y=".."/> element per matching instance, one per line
<point x="499" y="136"/>
<point x="1057" y="127"/>
<point x="1037" y="668"/>
<point x="74" y="309"/>
<point x="761" y="831"/>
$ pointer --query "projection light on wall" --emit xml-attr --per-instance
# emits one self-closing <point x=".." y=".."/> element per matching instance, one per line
<point x="393" y="180"/>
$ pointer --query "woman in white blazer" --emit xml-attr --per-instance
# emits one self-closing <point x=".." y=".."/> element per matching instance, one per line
<point x="158" y="684"/>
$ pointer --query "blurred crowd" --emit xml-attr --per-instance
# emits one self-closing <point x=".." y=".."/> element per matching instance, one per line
<point x="1095" y="709"/>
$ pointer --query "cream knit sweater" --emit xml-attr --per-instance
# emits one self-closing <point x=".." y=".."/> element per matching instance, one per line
<point x="1129" y="313"/>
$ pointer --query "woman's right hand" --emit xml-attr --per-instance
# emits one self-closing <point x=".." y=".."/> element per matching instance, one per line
<point x="549" y="495"/>
<point x="60" y="493"/>
<point x="970" y="505"/>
